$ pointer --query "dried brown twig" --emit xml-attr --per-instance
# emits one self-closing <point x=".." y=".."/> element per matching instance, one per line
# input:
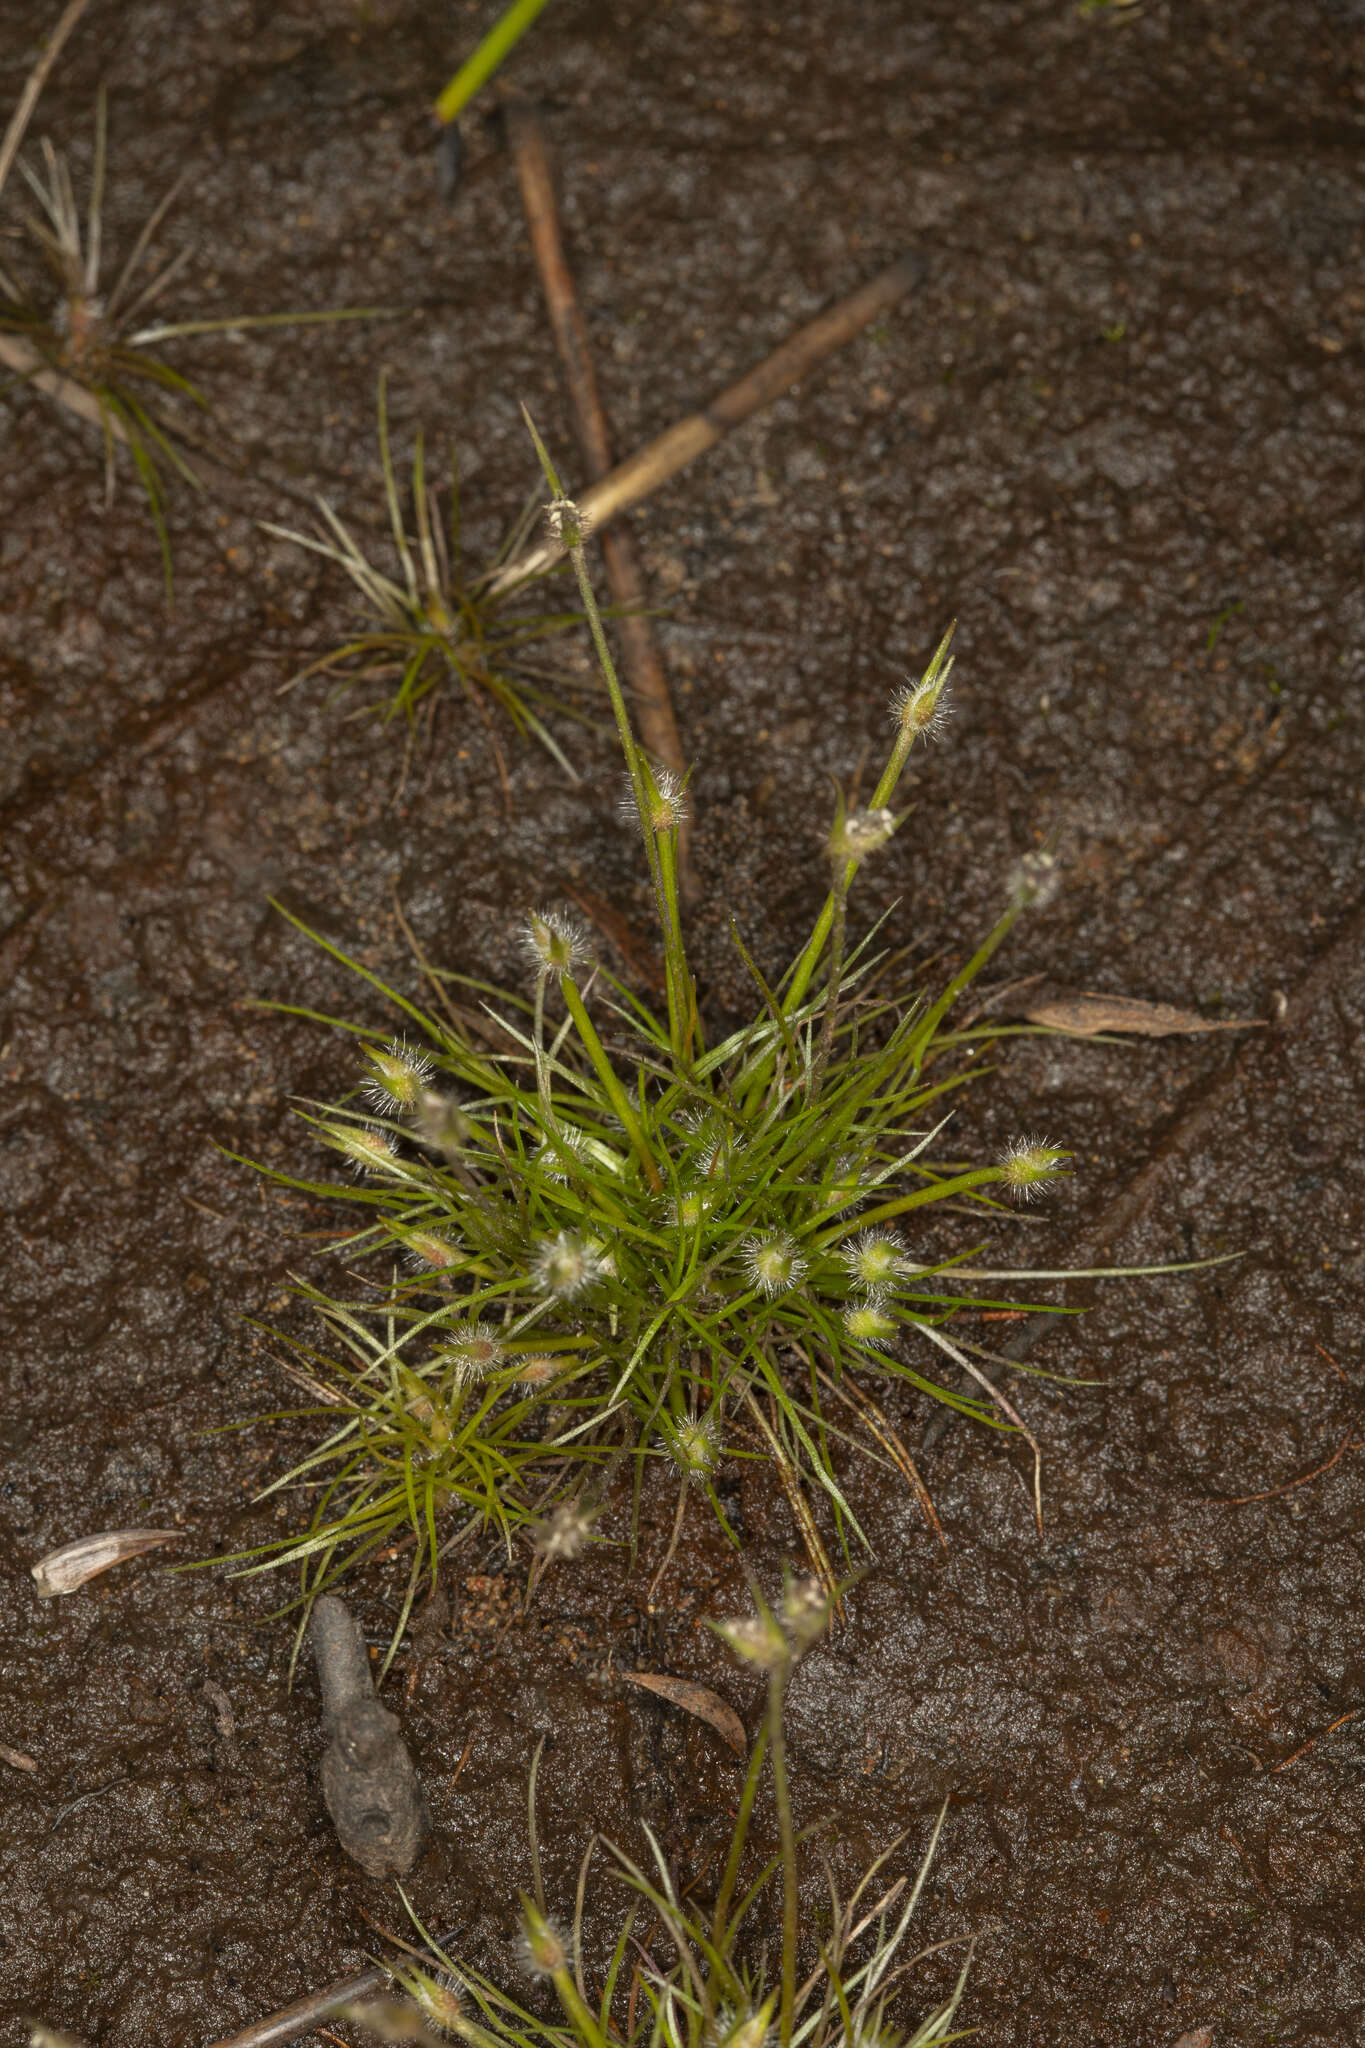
<point x="640" y="649"/>
<point x="641" y="474"/>
<point x="305" y="2015"/>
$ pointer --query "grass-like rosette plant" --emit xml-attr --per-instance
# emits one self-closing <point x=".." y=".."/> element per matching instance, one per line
<point x="688" y="1974"/>
<point x="95" y="348"/>
<point x="623" y="1240"/>
<point x="431" y="628"/>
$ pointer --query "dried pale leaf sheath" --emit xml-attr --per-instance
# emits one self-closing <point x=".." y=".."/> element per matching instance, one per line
<point x="66" y="1570"/>
<point x="695" y="1699"/>
<point x="1084" y="1013"/>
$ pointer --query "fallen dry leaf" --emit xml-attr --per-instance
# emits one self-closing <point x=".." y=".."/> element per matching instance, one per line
<point x="695" y="1699"/>
<point x="17" y="1758"/>
<point x="1083" y="1013"/>
<point x="67" y="1569"/>
<point x="1202" y="2037"/>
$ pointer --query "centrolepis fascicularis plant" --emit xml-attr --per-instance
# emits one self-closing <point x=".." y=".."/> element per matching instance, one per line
<point x="624" y="1241"/>
<point x="93" y="349"/>
<point x="683" y="1974"/>
<point x="432" y="628"/>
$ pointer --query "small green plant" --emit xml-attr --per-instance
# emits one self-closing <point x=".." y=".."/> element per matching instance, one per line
<point x="687" y="1975"/>
<point x="433" y="628"/>
<point x="626" y="1242"/>
<point x="91" y="350"/>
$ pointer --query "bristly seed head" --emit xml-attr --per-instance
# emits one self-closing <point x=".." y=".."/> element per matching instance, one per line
<point x="857" y="834"/>
<point x="562" y="1533"/>
<point x="804" y="1612"/>
<point x="665" y="799"/>
<point x="774" y="1264"/>
<point x="846" y="1187"/>
<point x="690" y="1208"/>
<point x="1028" y="1162"/>
<point x="472" y="1351"/>
<point x="774" y="1641"/>
<point x="436" y="1996"/>
<point x="695" y="1447"/>
<point x="428" y="1251"/>
<point x="398" y="1076"/>
<point x="867" y="1323"/>
<point x="538" y="1368"/>
<point x="874" y="1260"/>
<point x="555" y="942"/>
<point x="544" y="1950"/>
<point x="369" y="1149"/>
<point x="1034" y="881"/>
<point x="565" y="1265"/>
<point x="920" y="708"/>
<point x="567" y="523"/>
<point x="565" y="1138"/>
<point x="757" y="1639"/>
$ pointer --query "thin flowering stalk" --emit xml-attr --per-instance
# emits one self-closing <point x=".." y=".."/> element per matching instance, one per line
<point x="681" y="993"/>
<point x="934" y="679"/>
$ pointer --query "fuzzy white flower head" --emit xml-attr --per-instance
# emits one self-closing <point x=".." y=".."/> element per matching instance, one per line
<point x="1028" y="1163"/>
<point x="874" y="1259"/>
<point x="858" y="834"/>
<point x="774" y="1264"/>
<point x="369" y="1149"/>
<point x="428" y="1251"/>
<point x="804" y="1612"/>
<point x="1034" y="881"/>
<point x="566" y="1264"/>
<point x="920" y="708"/>
<point x="552" y="1148"/>
<point x="472" y="1350"/>
<point x="567" y="522"/>
<point x="757" y="1639"/>
<point x="665" y="799"/>
<point x="538" y="1369"/>
<point x="690" y="1207"/>
<point x="555" y="942"/>
<point x="695" y="1448"/>
<point x="543" y="1948"/>
<point x="398" y="1076"/>
<point x="846" y="1186"/>
<point x="867" y="1323"/>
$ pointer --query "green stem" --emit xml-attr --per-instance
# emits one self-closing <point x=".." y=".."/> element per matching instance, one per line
<point x="777" y="1746"/>
<point x="925" y="1033"/>
<point x="832" y="980"/>
<point x="606" y="1074"/>
<point x="980" y="1177"/>
<point x="476" y="71"/>
<point x="581" y="2019"/>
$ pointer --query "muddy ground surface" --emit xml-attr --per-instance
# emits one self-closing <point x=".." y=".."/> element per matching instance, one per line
<point x="1123" y="410"/>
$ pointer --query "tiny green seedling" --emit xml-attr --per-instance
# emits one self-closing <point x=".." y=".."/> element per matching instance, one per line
<point x="429" y="628"/>
<point x="626" y="1241"/>
<point x="94" y="350"/>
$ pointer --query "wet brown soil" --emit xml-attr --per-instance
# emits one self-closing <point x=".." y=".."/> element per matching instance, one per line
<point x="1124" y="406"/>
